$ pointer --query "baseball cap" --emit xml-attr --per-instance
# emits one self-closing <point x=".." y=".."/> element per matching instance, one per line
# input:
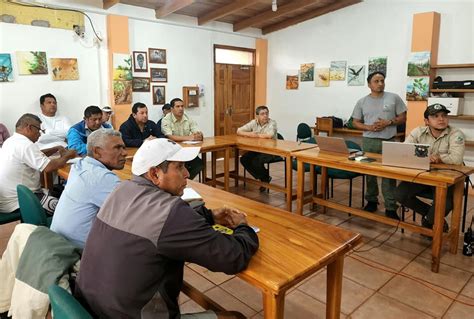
<point x="154" y="152"/>
<point x="435" y="108"/>
<point x="107" y="109"/>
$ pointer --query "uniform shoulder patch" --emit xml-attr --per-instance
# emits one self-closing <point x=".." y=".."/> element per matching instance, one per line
<point x="459" y="139"/>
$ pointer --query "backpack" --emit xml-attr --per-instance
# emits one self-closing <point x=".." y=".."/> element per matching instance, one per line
<point x="336" y="121"/>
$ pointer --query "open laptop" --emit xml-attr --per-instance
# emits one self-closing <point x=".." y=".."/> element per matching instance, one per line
<point x="333" y="144"/>
<point x="407" y="155"/>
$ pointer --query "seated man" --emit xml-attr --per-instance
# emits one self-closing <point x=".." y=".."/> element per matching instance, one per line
<point x="178" y="127"/>
<point x="90" y="181"/>
<point x="261" y="127"/>
<point x="446" y="146"/>
<point x="146" y="232"/>
<point x="138" y="128"/>
<point x="55" y="126"/>
<point x="4" y="134"/>
<point x="77" y="134"/>
<point x="21" y="162"/>
<point x="106" y="114"/>
<point x="166" y="109"/>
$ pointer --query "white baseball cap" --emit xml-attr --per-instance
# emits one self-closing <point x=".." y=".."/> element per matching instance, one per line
<point x="154" y="152"/>
<point x="107" y="109"/>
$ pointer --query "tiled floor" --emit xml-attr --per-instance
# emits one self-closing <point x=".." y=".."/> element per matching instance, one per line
<point x="391" y="280"/>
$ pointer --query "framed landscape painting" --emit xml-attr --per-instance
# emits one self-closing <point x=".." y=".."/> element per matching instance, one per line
<point x="141" y="84"/>
<point x="158" y="75"/>
<point x="64" y="69"/>
<point x="32" y="62"/>
<point x="6" y="68"/>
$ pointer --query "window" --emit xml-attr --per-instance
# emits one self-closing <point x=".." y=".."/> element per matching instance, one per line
<point x="226" y="56"/>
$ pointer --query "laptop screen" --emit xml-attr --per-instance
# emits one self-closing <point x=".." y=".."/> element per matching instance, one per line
<point x="407" y="155"/>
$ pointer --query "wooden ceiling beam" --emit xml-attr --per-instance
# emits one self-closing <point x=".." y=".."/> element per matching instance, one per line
<point x="106" y="4"/>
<point x="268" y="15"/>
<point x="309" y="15"/>
<point x="172" y="6"/>
<point x="225" y="10"/>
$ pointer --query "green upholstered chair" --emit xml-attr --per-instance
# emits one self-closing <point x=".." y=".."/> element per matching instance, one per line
<point x="6" y="218"/>
<point x="64" y="305"/>
<point x="30" y="208"/>
<point x="303" y="132"/>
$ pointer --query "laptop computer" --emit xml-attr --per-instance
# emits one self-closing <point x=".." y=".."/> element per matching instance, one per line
<point x="333" y="144"/>
<point x="407" y="155"/>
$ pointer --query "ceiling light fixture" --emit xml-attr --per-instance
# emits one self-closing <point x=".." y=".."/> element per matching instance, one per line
<point x="274" y="5"/>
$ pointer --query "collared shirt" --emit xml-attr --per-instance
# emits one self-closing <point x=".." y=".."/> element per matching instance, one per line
<point x="21" y="162"/>
<point x="4" y="134"/>
<point x="370" y="109"/>
<point x="56" y="128"/>
<point x="268" y="128"/>
<point x="88" y="185"/>
<point x="171" y="126"/>
<point x="449" y="145"/>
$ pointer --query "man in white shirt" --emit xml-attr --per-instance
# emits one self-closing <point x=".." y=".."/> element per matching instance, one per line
<point x="54" y="126"/>
<point x="22" y="161"/>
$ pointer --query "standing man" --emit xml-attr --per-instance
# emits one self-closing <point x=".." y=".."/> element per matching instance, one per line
<point x="261" y="127"/>
<point x="90" y="181"/>
<point x="22" y="161"/>
<point x="137" y="252"/>
<point x="138" y="128"/>
<point x="446" y="146"/>
<point x="378" y="115"/>
<point x="166" y="109"/>
<point x="77" y="135"/>
<point x="106" y="114"/>
<point x="55" y="126"/>
<point x="178" y="127"/>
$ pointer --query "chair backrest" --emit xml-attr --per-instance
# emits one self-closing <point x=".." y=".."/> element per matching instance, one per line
<point x="303" y="132"/>
<point x="279" y="136"/>
<point x="30" y="207"/>
<point x="65" y="306"/>
<point x="324" y="124"/>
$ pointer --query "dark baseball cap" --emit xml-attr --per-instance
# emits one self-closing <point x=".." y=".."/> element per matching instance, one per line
<point x="435" y="108"/>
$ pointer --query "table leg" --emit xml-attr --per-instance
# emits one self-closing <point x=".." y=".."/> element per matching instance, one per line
<point x="213" y="168"/>
<point x="324" y="183"/>
<point x="289" y="184"/>
<point x="204" y="167"/>
<point x="273" y="305"/>
<point x="440" y="207"/>
<point x="300" y="187"/>
<point x="334" y="288"/>
<point x="226" y="168"/>
<point x="312" y="185"/>
<point x="236" y="167"/>
<point x="456" y="216"/>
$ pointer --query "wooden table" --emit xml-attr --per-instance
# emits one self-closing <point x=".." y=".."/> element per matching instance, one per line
<point x="437" y="177"/>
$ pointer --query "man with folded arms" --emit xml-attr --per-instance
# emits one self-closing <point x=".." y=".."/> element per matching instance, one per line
<point x="144" y="233"/>
<point x="55" y="126"/>
<point x="138" y="127"/>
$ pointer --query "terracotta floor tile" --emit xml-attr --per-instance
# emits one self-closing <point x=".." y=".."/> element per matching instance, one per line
<point x="365" y="227"/>
<point x="459" y="310"/>
<point x="353" y="294"/>
<point x="299" y="305"/>
<point x="182" y="298"/>
<point x="229" y="302"/>
<point x="379" y="306"/>
<point x="407" y="241"/>
<point x="468" y="290"/>
<point x="215" y="277"/>
<point x="196" y="280"/>
<point x="448" y="277"/>
<point x="458" y="260"/>
<point x="190" y="307"/>
<point x="365" y="275"/>
<point x="258" y="316"/>
<point x="418" y="296"/>
<point x="385" y="255"/>
<point x="245" y="292"/>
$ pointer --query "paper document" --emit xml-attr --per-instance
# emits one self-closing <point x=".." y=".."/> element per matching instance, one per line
<point x="192" y="142"/>
<point x="73" y="160"/>
<point x="190" y="194"/>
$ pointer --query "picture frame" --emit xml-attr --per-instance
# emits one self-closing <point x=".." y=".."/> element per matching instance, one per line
<point x="141" y="84"/>
<point x="159" y="94"/>
<point x="157" y="55"/>
<point x="140" y="61"/>
<point x="159" y="75"/>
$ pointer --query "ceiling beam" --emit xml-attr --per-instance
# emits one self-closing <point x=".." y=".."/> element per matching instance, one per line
<point x="172" y="6"/>
<point x="309" y="15"/>
<point x="106" y="4"/>
<point x="267" y="15"/>
<point x="225" y="10"/>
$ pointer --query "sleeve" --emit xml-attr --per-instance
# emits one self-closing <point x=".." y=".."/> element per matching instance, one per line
<point x="193" y="127"/>
<point x="34" y="158"/>
<point x="357" y="113"/>
<point x="413" y="136"/>
<point x="75" y="142"/>
<point x="159" y="133"/>
<point x="400" y="106"/>
<point x="60" y="131"/>
<point x="166" y="125"/>
<point x="456" y="147"/>
<point x="188" y="236"/>
<point x="272" y="129"/>
<point x="246" y="128"/>
<point x="107" y="185"/>
<point x="127" y="136"/>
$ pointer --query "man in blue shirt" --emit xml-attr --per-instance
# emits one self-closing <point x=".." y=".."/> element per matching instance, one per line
<point x="90" y="181"/>
<point x="78" y="133"/>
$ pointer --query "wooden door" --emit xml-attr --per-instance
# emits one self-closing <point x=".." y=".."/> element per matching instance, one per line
<point x="234" y="97"/>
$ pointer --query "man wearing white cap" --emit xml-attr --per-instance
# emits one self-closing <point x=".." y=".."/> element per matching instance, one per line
<point x="145" y="232"/>
<point x="106" y="114"/>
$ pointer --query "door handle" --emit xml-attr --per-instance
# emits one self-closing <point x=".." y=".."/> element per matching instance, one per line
<point x="230" y="110"/>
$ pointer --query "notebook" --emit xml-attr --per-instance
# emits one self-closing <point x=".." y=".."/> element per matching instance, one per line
<point x="407" y="155"/>
<point x="333" y="144"/>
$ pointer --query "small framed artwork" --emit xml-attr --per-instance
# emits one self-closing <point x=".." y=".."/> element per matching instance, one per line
<point x="141" y="84"/>
<point x="157" y="55"/>
<point x="140" y="63"/>
<point x="159" y="94"/>
<point x="158" y="75"/>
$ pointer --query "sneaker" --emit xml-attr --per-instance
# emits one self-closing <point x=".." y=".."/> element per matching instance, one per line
<point x="263" y="188"/>
<point x="371" y="207"/>
<point x="392" y="214"/>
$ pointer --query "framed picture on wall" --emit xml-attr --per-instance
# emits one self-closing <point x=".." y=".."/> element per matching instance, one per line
<point x="159" y="94"/>
<point x="158" y="75"/>
<point x="141" y="84"/>
<point x="157" y="55"/>
<point x="140" y="62"/>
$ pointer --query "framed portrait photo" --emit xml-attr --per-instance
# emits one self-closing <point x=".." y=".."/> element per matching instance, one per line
<point x="159" y="94"/>
<point x="158" y="75"/>
<point x="140" y="62"/>
<point x="157" y="55"/>
<point x="141" y="84"/>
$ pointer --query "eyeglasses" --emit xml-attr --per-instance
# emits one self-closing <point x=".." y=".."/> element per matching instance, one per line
<point x="38" y="128"/>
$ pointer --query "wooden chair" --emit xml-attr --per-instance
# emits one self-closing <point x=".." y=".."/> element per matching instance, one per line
<point x="323" y="125"/>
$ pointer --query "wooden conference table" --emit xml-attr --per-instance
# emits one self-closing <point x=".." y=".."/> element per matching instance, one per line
<point x="291" y="249"/>
<point x="440" y="177"/>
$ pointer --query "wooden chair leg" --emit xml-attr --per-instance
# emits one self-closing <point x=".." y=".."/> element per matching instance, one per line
<point x="350" y="192"/>
<point x="466" y="194"/>
<point x="403" y="217"/>
<point x="363" y="189"/>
